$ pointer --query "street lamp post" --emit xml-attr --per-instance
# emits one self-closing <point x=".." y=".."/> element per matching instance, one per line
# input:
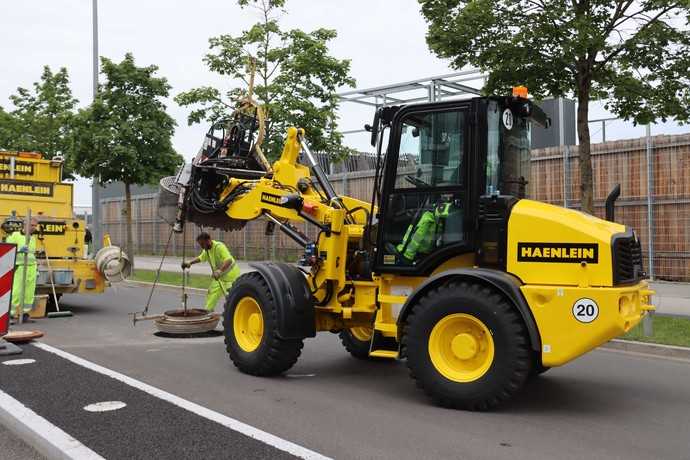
<point x="95" y="187"/>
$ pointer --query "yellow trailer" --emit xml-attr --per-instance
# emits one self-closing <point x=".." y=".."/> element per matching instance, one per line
<point x="30" y="182"/>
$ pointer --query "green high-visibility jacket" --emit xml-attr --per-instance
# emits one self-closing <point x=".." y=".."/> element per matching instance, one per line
<point x="420" y="237"/>
<point x="20" y="240"/>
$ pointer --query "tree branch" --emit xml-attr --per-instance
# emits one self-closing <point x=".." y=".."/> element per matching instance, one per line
<point x="621" y="48"/>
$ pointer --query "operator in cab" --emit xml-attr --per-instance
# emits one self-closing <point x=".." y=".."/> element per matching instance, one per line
<point x="224" y="269"/>
<point x="25" y="265"/>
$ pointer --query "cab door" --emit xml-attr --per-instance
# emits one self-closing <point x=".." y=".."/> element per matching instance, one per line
<point x="424" y="207"/>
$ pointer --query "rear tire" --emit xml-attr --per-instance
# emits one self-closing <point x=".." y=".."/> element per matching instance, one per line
<point x="466" y="346"/>
<point x="251" y="329"/>
<point x="354" y="342"/>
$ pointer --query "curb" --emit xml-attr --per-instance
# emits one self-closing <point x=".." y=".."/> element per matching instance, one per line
<point x="45" y="438"/>
<point x="167" y="286"/>
<point x="666" y="351"/>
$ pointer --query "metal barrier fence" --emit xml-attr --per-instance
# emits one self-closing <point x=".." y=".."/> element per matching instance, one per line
<point x="654" y="173"/>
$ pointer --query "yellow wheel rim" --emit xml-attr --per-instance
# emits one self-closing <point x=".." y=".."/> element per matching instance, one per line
<point x="248" y="324"/>
<point x="361" y="333"/>
<point x="461" y="347"/>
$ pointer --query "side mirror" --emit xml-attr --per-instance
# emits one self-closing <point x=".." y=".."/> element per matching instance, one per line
<point x="374" y="127"/>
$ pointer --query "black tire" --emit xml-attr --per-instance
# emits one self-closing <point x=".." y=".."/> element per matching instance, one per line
<point x="357" y="348"/>
<point x="273" y="355"/>
<point x="511" y="362"/>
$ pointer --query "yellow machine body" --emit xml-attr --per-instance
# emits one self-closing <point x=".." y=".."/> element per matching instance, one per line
<point x="476" y="289"/>
<point x="550" y="288"/>
<point x="27" y="181"/>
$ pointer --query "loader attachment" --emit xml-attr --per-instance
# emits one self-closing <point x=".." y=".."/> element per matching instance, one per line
<point x="231" y="150"/>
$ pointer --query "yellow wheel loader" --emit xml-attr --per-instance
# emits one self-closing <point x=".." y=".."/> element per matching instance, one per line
<point x="448" y="266"/>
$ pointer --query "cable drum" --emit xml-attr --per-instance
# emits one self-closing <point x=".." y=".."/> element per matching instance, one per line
<point x="113" y="264"/>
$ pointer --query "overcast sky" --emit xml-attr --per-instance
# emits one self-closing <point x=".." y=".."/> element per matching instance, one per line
<point x="383" y="38"/>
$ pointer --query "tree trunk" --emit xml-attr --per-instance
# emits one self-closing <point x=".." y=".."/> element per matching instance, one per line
<point x="585" y="159"/>
<point x="128" y="217"/>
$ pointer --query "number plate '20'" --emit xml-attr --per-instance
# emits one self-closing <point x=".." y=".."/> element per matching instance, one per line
<point x="585" y="310"/>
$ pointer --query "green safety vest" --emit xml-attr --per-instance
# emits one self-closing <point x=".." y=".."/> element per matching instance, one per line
<point x="420" y="237"/>
<point x="19" y="239"/>
<point x="215" y="256"/>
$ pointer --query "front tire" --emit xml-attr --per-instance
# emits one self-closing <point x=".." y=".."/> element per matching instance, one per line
<point x="466" y="346"/>
<point x="251" y="329"/>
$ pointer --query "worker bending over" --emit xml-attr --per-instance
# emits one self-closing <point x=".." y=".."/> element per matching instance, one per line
<point x="28" y="256"/>
<point x="223" y="266"/>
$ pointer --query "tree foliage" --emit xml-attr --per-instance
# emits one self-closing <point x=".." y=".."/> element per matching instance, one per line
<point x="42" y="118"/>
<point x="296" y="79"/>
<point x="633" y="54"/>
<point x="125" y="134"/>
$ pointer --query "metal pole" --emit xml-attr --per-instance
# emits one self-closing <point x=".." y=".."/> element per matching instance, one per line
<point x="603" y="131"/>
<point x="95" y="187"/>
<point x="566" y="174"/>
<point x="647" y="324"/>
<point x="27" y="242"/>
<point x="561" y="143"/>
<point x="244" y="244"/>
<point x="650" y="210"/>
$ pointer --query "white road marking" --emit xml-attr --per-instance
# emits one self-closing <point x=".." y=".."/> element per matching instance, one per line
<point x="45" y="437"/>
<point x="105" y="406"/>
<point x="233" y="424"/>
<point x="18" y="362"/>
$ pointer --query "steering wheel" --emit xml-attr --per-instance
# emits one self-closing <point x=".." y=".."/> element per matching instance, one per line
<point x="416" y="182"/>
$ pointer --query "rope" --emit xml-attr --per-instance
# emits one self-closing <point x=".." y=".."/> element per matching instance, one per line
<point x="158" y="272"/>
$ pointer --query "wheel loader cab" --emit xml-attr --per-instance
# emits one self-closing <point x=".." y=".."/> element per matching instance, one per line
<point x="441" y="159"/>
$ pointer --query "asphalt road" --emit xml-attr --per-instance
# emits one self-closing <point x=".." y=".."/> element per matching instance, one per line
<point x="604" y="405"/>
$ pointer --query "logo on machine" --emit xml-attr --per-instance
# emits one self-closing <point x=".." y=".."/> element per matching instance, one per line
<point x="52" y="228"/>
<point x="21" y="168"/>
<point x="273" y="199"/>
<point x="25" y="188"/>
<point x="558" y="252"/>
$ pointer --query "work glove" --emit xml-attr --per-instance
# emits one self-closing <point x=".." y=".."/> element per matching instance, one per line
<point x="217" y="274"/>
<point x="185" y="265"/>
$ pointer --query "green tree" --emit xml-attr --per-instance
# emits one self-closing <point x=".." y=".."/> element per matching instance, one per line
<point x="125" y="134"/>
<point x="633" y="54"/>
<point x="7" y="130"/>
<point x="296" y="80"/>
<point x="42" y="118"/>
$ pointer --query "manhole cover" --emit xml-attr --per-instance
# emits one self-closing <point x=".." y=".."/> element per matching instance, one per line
<point x="22" y="336"/>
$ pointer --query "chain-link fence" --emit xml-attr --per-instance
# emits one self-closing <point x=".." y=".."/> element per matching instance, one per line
<point x="654" y="174"/>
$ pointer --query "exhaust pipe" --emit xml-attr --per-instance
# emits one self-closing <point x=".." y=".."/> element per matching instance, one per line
<point x="611" y="201"/>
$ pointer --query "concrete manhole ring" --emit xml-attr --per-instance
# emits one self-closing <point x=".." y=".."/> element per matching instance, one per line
<point x="193" y="321"/>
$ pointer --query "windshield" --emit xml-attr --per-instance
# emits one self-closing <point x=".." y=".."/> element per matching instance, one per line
<point x="507" y="151"/>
